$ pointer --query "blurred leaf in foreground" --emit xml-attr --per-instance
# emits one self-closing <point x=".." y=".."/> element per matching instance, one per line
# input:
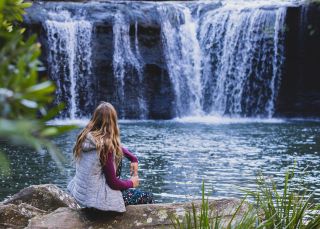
<point x="24" y="97"/>
<point x="5" y="170"/>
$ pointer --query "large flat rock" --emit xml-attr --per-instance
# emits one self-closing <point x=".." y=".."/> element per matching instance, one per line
<point x="47" y="197"/>
<point x="47" y="206"/>
<point x="17" y="216"/>
<point x="138" y="216"/>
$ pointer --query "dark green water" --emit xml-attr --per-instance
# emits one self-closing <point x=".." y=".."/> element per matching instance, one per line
<point x="175" y="156"/>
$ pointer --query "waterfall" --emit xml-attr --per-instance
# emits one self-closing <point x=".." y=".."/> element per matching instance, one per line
<point x="278" y="60"/>
<point x="243" y="51"/>
<point x="124" y="58"/>
<point x="69" y="43"/>
<point x="224" y="61"/>
<point x="183" y="57"/>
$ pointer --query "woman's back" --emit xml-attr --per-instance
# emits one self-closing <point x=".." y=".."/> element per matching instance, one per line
<point x="89" y="185"/>
<point x="98" y="154"/>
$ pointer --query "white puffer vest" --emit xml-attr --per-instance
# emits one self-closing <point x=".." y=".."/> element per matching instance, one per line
<point x="89" y="186"/>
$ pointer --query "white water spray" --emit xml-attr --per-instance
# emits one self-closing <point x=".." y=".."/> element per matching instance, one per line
<point x="70" y="47"/>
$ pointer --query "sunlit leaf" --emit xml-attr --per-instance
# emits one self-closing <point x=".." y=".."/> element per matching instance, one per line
<point x="41" y="86"/>
<point x="29" y="103"/>
<point x="5" y="169"/>
<point x="51" y="131"/>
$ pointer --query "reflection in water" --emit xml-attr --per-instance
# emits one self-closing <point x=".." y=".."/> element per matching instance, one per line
<point x="175" y="156"/>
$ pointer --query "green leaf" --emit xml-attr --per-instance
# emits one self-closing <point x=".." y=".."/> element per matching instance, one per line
<point x="5" y="169"/>
<point x="44" y="87"/>
<point x="29" y="103"/>
<point x="49" y="131"/>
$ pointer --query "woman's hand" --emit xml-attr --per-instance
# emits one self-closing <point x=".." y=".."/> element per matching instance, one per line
<point x="135" y="181"/>
<point x="133" y="169"/>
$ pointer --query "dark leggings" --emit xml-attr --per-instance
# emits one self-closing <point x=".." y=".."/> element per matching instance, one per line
<point x="135" y="196"/>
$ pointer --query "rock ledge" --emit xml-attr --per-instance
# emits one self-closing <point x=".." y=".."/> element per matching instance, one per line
<point x="47" y="206"/>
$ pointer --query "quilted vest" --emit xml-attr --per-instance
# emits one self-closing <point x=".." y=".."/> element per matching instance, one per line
<point x="89" y="186"/>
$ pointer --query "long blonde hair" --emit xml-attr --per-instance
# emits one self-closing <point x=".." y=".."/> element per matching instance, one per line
<point x="104" y="128"/>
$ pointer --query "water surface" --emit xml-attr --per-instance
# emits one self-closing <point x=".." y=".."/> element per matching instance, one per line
<point x="176" y="156"/>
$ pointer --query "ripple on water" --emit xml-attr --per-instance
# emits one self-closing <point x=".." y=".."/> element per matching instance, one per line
<point x="175" y="156"/>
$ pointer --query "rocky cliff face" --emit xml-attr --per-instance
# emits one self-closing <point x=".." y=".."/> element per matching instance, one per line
<point x="129" y="62"/>
<point x="300" y="85"/>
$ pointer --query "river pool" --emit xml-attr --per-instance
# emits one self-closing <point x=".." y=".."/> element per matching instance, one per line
<point x="176" y="156"/>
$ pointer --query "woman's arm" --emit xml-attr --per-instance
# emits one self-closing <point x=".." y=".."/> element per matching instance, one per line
<point x="134" y="161"/>
<point x="111" y="178"/>
<point x="129" y="155"/>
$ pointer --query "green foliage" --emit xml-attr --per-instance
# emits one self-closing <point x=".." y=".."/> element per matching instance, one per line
<point x="24" y="98"/>
<point x="284" y="209"/>
<point x="208" y="218"/>
<point x="4" y="165"/>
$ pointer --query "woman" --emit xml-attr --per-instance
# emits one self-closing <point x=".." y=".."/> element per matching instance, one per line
<point x="98" y="153"/>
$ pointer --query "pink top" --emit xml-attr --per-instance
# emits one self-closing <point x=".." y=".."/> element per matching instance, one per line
<point x="110" y="172"/>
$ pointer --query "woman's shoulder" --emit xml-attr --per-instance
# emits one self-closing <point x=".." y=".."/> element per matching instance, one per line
<point x="89" y="143"/>
<point x="90" y="137"/>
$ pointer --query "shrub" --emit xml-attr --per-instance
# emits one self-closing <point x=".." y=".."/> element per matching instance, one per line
<point x="271" y="209"/>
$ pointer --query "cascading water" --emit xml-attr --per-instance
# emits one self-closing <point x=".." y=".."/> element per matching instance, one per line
<point x="183" y="56"/>
<point x="220" y="58"/>
<point x="70" y="60"/>
<point x="242" y="59"/>
<point x="225" y="61"/>
<point x="278" y="60"/>
<point x="124" y="57"/>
